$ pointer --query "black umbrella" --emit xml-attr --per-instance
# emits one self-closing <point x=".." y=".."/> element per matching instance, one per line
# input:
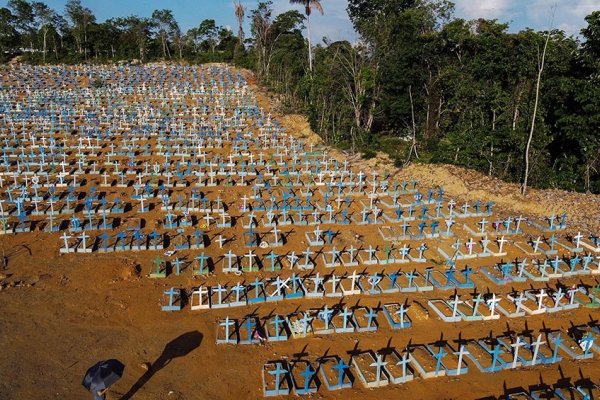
<point x="102" y="375"/>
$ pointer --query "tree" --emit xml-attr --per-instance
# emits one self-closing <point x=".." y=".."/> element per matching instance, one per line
<point x="261" y="28"/>
<point x="105" y="39"/>
<point x="45" y="17"/>
<point x="192" y="36"/>
<point x="591" y="33"/>
<point x="399" y="36"/>
<point x="23" y="18"/>
<point x="178" y="40"/>
<point x="267" y="34"/>
<point x="356" y="76"/>
<point x="23" y="15"/>
<point x="286" y="47"/>
<point x="81" y="17"/>
<point x="61" y="26"/>
<point x="9" y="37"/>
<point x="134" y="30"/>
<point x="308" y="6"/>
<point x="578" y="106"/>
<point x="541" y="64"/>
<point x="208" y="32"/>
<point x="167" y="28"/>
<point x="240" y="11"/>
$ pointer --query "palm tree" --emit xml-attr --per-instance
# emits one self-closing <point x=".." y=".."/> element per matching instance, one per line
<point x="240" y="11"/>
<point x="308" y="6"/>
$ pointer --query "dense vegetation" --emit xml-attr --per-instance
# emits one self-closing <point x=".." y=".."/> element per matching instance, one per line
<point x="420" y="83"/>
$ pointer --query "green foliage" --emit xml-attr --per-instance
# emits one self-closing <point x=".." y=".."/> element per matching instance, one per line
<point x="97" y="83"/>
<point x="368" y="154"/>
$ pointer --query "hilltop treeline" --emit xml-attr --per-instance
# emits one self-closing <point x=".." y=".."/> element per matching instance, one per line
<point x="418" y="82"/>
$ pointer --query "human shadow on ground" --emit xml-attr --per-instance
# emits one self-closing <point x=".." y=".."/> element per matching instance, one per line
<point x="178" y="347"/>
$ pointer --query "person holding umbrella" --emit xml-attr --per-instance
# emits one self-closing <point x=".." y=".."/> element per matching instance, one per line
<point x="101" y="376"/>
<point x="101" y="395"/>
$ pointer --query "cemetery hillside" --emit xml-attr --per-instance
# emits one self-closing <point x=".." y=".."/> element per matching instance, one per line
<point x="416" y="81"/>
<point x="244" y="212"/>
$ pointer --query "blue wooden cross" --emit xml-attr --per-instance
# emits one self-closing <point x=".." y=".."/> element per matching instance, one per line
<point x="121" y="236"/>
<point x="495" y="357"/>
<point x="137" y="235"/>
<point x="329" y="233"/>
<point x="272" y="256"/>
<point x="177" y="263"/>
<point x="249" y="325"/>
<point x="307" y="374"/>
<point x="434" y="226"/>
<point x="438" y="357"/>
<point x="278" y="371"/>
<point x="557" y="342"/>
<point x="202" y="262"/>
<point x="371" y="315"/>
<point x="105" y="236"/>
<point x="172" y="293"/>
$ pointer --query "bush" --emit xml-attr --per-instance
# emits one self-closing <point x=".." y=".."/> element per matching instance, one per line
<point x="368" y="154"/>
<point x="97" y="83"/>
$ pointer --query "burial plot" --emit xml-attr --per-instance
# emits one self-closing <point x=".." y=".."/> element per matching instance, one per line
<point x="249" y="330"/>
<point x="200" y="298"/>
<point x="591" y="243"/>
<point x="276" y="328"/>
<point x="300" y="324"/>
<point x="276" y="379"/>
<point x="365" y="319"/>
<point x="398" y="367"/>
<point x="511" y="305"/>
<point x="174" y="300"/>
<point x="446" y="310"/>
<point x="159" y="269"/>
<point x="335" y="373"/>
<point x="370" y="369"/>
<point x="426" y="363"/>
<point x="303" y="376"/>
<point x="397" y="315"/>
<point x="227" y="331"/>
<point x="488" y="357"/>
<point x="322" y="322"/>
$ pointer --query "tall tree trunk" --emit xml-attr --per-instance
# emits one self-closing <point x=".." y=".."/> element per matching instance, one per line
<point x="310" y="60"/>
<point x="516" y="112"/>
<point x="491" y="160"/>
<point x="45" y="30"/>
<point x="413" y="146"/>
<point x="588" y="167"/>
<point x="535" y="107"/>
<point x="55" y="46"/>
<point x="85" y="37"/>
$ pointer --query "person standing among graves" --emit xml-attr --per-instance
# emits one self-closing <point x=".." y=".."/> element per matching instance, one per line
<point x="101" y="395"/>
<point x="101" y="376"/>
